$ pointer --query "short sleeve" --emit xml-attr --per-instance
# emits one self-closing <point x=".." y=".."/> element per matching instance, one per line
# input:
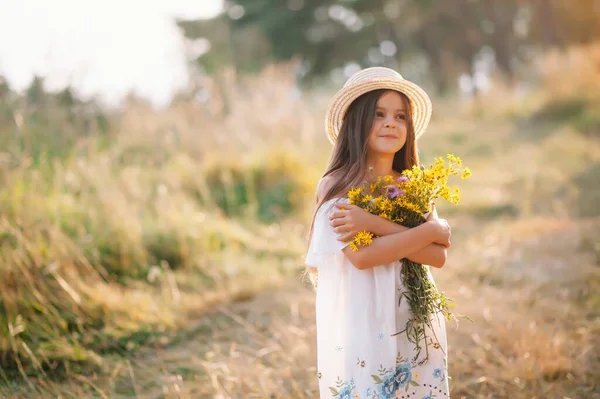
<point x="324" y="246"/>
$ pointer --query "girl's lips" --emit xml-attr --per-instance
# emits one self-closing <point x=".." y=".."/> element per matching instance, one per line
<point x="388" y="136"/>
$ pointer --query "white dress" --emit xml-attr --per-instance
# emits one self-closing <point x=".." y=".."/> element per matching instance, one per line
<point x="356" y="314"/>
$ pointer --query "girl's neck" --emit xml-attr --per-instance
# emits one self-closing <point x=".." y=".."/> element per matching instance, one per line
<point x="380" y="166"/>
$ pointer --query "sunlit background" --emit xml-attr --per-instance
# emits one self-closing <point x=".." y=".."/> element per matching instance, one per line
<point x="158" y="162"/>
<point x="100" y="48"/>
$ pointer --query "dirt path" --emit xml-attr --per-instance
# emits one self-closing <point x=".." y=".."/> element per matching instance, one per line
<point x="261" y="348"/>
<point x="519" y="292"/>
<point x="528" y="285"/>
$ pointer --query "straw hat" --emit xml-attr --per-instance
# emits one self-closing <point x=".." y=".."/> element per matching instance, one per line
<point x="375" y="78"/>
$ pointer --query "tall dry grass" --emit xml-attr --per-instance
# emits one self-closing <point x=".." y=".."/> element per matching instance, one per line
<point x="103" y="248"/>
<point x="122" y="258"/>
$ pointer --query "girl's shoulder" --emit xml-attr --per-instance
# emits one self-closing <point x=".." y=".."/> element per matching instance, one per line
<point x="325" y="184"/>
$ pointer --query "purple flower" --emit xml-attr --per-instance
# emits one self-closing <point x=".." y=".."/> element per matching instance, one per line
<point x="395" y="192"/>
<point x="402" y="179"/>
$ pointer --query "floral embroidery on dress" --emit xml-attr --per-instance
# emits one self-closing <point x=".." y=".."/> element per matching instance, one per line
<point x="389" y="380"/>
<point x="432" y="392"/>
<point x="439" y="374"/>
<point x="343" y="389"/>
<point x="385" y="382"/>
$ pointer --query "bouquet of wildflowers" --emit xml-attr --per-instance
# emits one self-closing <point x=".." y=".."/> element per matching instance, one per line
<point x="405" y="200"/>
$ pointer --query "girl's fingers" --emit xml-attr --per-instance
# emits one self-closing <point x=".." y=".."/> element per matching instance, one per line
<point x="337" y="222"/>
<point x="341" y="224"/>
<point x="336" y="215"/>
<point x="341" y="229"/>
<point x="345" y="237"/>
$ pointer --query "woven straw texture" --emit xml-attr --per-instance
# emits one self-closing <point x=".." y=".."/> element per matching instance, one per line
<point x="375" y="78"/>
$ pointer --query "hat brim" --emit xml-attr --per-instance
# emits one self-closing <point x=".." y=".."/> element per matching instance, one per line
<point x="338" y="106"/>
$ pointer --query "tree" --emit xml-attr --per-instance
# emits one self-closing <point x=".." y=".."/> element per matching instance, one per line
<point x="448" y="34"/>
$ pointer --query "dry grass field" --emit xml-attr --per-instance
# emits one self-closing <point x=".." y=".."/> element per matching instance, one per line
<point x="165" y="260"/>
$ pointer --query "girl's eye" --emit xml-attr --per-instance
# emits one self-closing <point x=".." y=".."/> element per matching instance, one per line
<point x="379" y="114"/>
<point x="401" y="116"/>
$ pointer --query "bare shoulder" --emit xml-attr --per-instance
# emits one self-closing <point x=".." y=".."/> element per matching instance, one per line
<point x="324" y="185"/>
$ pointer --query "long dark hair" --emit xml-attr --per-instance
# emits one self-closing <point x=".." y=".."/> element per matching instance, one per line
<point x="348" y="161"/>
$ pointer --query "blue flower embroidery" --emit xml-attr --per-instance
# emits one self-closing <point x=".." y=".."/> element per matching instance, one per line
<point x="388" y="386"/>
<point x="343" y="389"/>
<point x="437" y="373"/>
<point x="403" y="374"/>
<point x="380" y="335"/>
<point x="428" y="396"/>
<point x="346" y="392"/>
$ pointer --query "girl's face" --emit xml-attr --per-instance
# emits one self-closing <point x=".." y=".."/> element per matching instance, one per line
<point x="389" y="130"/>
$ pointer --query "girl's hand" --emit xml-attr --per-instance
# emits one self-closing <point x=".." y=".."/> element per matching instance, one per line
<point x="442" y="228"/>
<point x="349" y="220"/>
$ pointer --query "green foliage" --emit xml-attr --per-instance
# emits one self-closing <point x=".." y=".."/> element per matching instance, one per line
<point x="329" y="34"/>
<point x="589" y="191"/>
<point x="164" y="246"/>
<point x="43" y="125"/>
<point x="579" y="111"/>
<point x="562" y="109"/>
<point x="85" y="267"/>
<point x="588" y="123"/>
<point x="266" y="190"/>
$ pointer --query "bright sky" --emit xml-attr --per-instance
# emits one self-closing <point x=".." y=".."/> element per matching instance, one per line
<point x="106" y="47"/>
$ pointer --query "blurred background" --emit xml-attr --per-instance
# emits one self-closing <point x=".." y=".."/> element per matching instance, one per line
<point x="158" y="162"/>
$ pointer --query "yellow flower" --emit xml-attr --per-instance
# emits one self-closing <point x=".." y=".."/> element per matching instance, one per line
<point x="445" y="192"/>
<point x="353" y="246"/>
<point x="421" y="186"/>
<point x="354" y="194"/>
<point x="454" y="159"/>
<point x="364" y="238"/>
<point x="385" y="205"/>
<point x="454" y="198"/>
<point x="377" y="202"/>
<point x="398" y="220"/>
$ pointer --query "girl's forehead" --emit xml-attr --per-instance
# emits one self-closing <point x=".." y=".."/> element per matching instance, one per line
<point x="390" y="97"/>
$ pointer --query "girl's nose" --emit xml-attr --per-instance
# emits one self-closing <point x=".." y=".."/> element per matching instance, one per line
<point x="390" y="124"/>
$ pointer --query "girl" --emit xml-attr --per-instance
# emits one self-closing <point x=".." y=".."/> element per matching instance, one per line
<point x="373" y="122"/>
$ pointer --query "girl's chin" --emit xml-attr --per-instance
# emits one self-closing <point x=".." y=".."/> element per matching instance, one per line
<point x="387" y="150"/>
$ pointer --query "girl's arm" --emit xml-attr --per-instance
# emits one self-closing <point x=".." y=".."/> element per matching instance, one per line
<point x="392" y="247"/>
<point x="353" y="219"/>
<point x="432" y="254"/>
